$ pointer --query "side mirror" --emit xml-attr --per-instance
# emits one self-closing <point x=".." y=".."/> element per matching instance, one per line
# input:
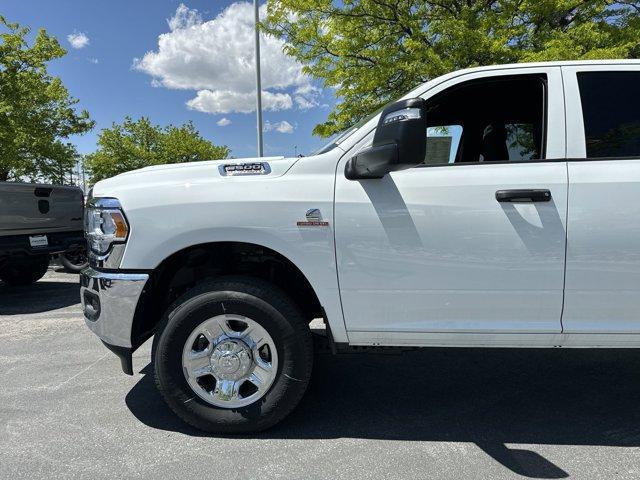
<point x="400" y="142"/>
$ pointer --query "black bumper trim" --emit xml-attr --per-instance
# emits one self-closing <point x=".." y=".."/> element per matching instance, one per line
<point x="125" y="355"/>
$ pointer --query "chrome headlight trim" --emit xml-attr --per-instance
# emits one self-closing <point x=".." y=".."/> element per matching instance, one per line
<point x="105" y="202"/>
<point x="101" y="213"/>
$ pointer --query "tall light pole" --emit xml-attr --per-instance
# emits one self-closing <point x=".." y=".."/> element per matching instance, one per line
<point x="84" y="179"/>
<point x="258" y="82"/>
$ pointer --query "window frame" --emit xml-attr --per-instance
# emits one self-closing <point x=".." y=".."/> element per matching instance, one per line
<point x="554" y="145"/>
<point x="576" y="138"/>
<point x="544" y="78"/>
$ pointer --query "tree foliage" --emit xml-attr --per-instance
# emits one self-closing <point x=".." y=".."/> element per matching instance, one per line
<point x="372" y="51"/>
<point x="138" y="144"/>
<point x="37" y="114"/>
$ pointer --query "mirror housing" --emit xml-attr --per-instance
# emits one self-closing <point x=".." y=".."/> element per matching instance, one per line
<point x="400" y="142"/>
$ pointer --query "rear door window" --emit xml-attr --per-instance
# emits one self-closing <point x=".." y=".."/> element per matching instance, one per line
<point x="611" y="113"/>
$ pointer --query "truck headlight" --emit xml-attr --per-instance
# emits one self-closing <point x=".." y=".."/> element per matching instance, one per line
<point x="105" y="224"/>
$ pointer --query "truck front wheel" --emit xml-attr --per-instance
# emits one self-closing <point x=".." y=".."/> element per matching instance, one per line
<point x="23" y="270"/>
<point x="233" y="355"/>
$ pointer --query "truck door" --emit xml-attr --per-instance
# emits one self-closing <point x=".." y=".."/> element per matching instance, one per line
<point x="473" y="240"/>
<point x="603" y="250"/>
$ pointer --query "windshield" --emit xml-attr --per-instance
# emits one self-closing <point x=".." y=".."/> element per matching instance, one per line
<point x="334" y="141"/>
<point x="341" y="137"/>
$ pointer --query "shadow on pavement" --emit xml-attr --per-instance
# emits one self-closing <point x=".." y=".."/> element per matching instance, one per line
<point x="492" y="397"/>
<point x="40" y="297"/>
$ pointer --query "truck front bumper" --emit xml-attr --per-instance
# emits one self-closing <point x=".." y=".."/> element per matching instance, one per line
<point x="109" y="301"/>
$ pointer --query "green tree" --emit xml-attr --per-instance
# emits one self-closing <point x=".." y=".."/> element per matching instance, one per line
<point x="137" y="144"/>
<point x="37" y="114"/>
<point x="372" y="51"/>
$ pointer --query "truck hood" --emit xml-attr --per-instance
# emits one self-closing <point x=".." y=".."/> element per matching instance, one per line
<point x="198" y="172"/>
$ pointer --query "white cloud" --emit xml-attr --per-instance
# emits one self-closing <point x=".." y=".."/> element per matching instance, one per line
<point x="306" y="97"/>
<point x="216" y="59"/>
<point x="184" y="18"/>
<point x="305" y="104"/>
<point x="223" y="122"/>
<point x="282" y="127"/>
<point x="308" y="89"/>
<point x="285" y="127"/>
<point x="78" y="40"/>
<point x="228" y="101"/>
<point x="95" y="61"/>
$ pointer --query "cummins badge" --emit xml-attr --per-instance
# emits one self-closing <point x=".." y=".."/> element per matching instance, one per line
<point x="314" y="219"/>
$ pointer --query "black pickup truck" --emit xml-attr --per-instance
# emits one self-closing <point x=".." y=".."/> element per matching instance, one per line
<point x="37" y="221"/>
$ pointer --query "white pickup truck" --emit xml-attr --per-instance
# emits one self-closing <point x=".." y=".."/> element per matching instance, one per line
<point x="491" y="207"/>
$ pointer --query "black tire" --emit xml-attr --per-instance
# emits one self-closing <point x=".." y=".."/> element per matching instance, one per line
<point x="74" y="261"/>
<point x="274" y="311"/>
<point x="24" y="270"/>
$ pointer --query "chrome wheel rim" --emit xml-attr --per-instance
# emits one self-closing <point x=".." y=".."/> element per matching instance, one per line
<point x="230" y="361"/>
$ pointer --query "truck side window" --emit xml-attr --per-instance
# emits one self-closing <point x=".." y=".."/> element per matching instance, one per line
<point x="611" y="113"/>
<point x="500" y="119"/>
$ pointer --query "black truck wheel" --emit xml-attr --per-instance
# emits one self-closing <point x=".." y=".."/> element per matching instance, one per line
<point x="233" y="355"/>
<point x="24" y="270"/>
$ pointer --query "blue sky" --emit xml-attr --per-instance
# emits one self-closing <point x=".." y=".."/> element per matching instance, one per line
<point x="201" y="70"/>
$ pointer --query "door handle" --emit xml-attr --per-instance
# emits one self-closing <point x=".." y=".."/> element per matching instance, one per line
<point x="526" y="195"/>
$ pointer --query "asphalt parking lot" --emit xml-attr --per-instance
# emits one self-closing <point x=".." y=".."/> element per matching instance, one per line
<point x="67" y="411"/>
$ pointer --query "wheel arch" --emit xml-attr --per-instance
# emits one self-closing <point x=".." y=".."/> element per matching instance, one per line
<point x="185" y="268"/>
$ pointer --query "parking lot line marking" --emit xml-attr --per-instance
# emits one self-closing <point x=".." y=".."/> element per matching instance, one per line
<point x="57" y="387"/>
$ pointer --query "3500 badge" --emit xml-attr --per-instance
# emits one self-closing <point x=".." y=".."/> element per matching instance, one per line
<point x="233" y="169"/>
